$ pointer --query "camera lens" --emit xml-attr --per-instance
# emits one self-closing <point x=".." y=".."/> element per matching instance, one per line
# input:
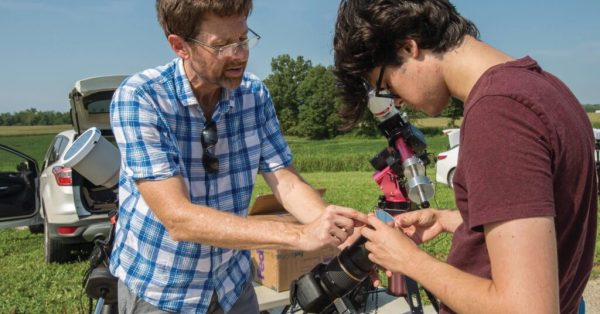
<point x="324" y="283"/>
<point x="348" y="269"/>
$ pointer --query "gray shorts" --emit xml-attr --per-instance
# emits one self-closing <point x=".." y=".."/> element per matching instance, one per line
<point x="129" y="303"/>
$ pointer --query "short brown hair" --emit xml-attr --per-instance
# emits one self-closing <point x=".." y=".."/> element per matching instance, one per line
<point x="182" y="17"/>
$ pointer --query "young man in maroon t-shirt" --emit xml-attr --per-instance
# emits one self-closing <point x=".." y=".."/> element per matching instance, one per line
<point x="525" y="228"/>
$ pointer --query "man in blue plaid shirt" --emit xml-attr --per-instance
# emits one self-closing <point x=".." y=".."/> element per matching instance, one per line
<point x="193" y="134"/>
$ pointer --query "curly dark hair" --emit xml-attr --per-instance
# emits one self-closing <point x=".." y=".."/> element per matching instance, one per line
<point x="182" y="17"/>
<point x="368" y="34"/>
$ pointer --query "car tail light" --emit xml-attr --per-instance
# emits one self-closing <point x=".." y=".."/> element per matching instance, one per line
<point x="62" y="175"/>
<point x="66" y="230"/>
<point x="441" y="157"/>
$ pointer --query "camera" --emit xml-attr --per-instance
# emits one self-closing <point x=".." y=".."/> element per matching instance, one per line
<point x="317" y="289"/>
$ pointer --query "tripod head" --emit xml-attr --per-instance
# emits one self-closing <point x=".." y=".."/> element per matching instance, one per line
<point x="400" y="168"/>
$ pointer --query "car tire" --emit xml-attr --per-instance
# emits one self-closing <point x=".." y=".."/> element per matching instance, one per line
<point x="35" y="229"/>
<point x="54" y="250"/>
<point x="451" y="178"/>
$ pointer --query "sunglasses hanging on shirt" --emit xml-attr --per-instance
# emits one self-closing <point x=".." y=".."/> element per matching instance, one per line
<point x="209" y="139"/>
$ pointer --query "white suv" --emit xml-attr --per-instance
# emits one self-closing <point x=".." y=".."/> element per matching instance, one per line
<point x="74" y="211"/>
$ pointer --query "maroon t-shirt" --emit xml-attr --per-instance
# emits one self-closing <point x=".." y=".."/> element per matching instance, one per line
<point x="526" y="150"/>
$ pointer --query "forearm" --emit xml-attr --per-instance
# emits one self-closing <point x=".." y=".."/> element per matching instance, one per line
<point x="466" y="293"/>
<point x="186" y="221"/>
<point x="303" y="202"/>
<point x="462" y="292"/>
<point x="524" y="271"/>
<point x="205" y="225"/>
<point x="296" y="196"/>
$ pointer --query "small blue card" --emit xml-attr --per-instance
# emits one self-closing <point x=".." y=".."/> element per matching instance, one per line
<point x="383" y="215"/>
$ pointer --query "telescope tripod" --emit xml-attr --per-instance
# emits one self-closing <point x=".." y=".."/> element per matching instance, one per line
<point x="98" y="282"/>
<point x="344" y="305"/>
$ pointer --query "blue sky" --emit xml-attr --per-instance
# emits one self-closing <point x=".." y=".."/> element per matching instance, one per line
<point x="47" y="45"/>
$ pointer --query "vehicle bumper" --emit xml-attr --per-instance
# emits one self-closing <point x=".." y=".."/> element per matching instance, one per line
<point x="87" y="229"/>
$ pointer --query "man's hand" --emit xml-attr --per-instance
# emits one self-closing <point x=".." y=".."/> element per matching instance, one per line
<point x="426" y="224"/>
<point x="351" y="239"/>
<point x="333" y="227"/>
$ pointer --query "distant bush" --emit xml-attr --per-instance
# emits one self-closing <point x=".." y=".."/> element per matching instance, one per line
<point x="34" y="117"/>
<point x="591" y="108"/>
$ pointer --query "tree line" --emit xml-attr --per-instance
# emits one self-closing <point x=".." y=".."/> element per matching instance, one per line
<point x="591" y="108"/>
<point x="32" y="116"/>
<point x="304" y="96"/>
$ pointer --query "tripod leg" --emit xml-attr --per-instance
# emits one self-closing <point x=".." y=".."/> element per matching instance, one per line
<point x="344" y="306"/>
<point x="110" y="309"/>
<point x="413" y="298"/>
<point x="99" y="306"/>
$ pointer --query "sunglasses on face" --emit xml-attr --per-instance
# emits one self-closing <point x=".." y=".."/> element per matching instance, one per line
<point x="209" y="139"/>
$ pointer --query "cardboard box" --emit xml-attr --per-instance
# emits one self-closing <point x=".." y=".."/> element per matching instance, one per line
<point x="277" y="268"/>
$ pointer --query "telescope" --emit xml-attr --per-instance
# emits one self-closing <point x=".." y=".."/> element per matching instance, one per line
<point x="400" y="174"/>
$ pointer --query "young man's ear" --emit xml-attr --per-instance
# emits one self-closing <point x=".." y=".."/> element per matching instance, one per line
<point x="179" y="46"/>
<point x="409" y="49"/>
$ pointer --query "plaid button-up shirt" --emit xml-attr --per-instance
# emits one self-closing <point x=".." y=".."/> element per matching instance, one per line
<point x="157" y="123"/>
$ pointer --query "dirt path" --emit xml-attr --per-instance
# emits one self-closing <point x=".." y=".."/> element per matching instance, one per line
<point x="591" y="295"/>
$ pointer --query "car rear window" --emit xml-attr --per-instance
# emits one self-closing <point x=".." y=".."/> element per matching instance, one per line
<point x="98" y="102"/>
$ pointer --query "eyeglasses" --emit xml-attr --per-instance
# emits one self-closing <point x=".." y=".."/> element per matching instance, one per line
<point x="385" y="93"/>
<point x="209" y="139"/>
<point x="231" y="49"/>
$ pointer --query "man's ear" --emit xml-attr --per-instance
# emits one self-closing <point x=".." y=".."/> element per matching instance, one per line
<point x="179" y="46"/>
<point x="409" y="49"/>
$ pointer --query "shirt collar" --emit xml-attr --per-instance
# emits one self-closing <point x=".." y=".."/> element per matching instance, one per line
<point x="187" y="98"/>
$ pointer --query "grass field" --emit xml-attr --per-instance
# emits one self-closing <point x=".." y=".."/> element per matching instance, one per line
<point x="29" y="285"/>
<point x="33" y="145"/>
<point x="595" y="119"/>
<point x="32" y="130"/>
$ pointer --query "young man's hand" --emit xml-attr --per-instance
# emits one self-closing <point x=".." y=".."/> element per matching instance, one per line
<point x="389" y="247"/>
<point x="426" y="224"/>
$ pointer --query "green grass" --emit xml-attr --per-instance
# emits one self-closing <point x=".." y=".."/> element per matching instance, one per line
<point x="30" y="286"/>
<point x="33" y="129"/>
<point x="594" y="119"/>
<point x="32" y="145"/>
<point x="347" y="154"/>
